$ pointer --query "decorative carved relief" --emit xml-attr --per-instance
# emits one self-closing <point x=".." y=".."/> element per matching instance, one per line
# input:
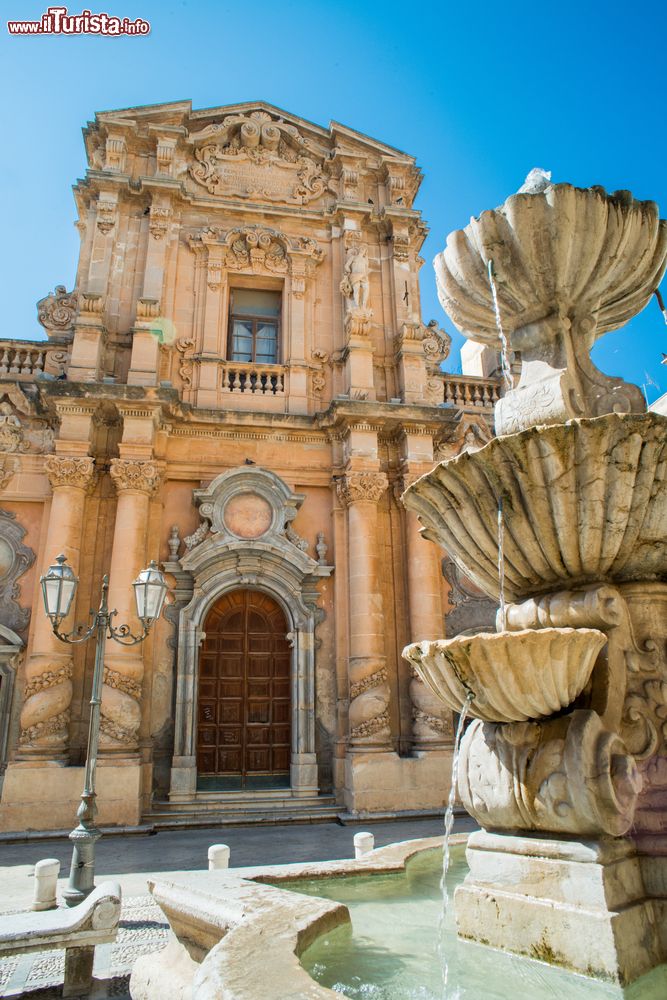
<point x="77" y="472"/>
<point x="401" y="244"/>
<point x="115" y="153"/>
<point x="318" y="379"/>
<point x="471" y="610"/>
<point x="260" y="157"/>
<point x="185" y="347"/>
<point x="27" y="433"/>
<point x="158" y="224"/>
<point x="15" y="559"/>
<point x="11" y="431"/>
<point x="8" y="466"/>
<point x="369" y="701"/>
<point x="358" y="486"/>
<point x="106" y="215"/>
<point x="258" y="248"/>
<point x="567" y="775"/>
<point x="138" y="476"/>
<point x="46" y="705"/>
<point x="436" y="344"/>
<point x="56" y="311"/>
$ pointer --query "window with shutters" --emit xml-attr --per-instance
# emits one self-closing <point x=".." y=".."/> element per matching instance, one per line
<point x="254" y="326"/>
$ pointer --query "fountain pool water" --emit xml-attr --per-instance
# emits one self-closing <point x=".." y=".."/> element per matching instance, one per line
<point x="391" y="950"/>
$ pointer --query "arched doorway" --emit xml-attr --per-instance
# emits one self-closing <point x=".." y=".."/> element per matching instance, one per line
<point x="244" y="701"/>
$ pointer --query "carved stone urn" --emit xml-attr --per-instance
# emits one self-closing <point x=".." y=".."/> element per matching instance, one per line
<point x="565" y="763"/>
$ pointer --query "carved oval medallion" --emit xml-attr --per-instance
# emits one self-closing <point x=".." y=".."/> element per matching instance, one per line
<point x="248" y="515"/>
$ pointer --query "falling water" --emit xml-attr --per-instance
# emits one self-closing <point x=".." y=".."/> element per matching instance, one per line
<point x="504" y="344"/>
<point x="449" y="823"/>
<point x="501" y="566"/>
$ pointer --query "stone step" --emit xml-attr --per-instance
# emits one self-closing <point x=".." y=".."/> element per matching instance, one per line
<point x="239" y="809"/>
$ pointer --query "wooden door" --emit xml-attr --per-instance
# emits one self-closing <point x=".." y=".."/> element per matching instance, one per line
<point x="244" y="709"/>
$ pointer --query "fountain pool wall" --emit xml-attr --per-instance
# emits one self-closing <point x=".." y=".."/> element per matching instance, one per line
<point x="360" y="929"/>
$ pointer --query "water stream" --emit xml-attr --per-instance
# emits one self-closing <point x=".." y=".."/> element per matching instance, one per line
<point x="446" y="848"/>
<point x="504" y="343"/>
<point x="502" y="617"/>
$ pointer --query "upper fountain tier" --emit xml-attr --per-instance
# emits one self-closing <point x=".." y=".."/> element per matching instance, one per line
<point x="570" y="264"/>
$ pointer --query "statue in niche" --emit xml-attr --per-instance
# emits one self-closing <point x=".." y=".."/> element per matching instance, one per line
<point x="355" y="285"/>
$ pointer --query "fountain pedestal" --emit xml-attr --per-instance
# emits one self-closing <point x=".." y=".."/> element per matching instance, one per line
<point x="578" y="904"/>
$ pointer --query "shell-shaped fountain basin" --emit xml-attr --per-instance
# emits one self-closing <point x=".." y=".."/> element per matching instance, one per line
<point x="513" y="676"/>
<point x="559" y="250"/>
<point x="583" y="502"/>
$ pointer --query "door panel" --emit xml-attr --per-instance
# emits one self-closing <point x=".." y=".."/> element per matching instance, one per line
<point x="244" y="712"/>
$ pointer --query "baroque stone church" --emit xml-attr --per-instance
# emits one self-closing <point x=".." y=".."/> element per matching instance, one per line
<point x="239" y="386"/>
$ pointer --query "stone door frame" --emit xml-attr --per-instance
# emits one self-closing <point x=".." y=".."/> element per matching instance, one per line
<point x="276" y="564"/>
<point x="11" y="646"/>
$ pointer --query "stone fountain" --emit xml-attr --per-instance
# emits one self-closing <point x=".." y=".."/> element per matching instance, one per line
<point x="565" y="765"/>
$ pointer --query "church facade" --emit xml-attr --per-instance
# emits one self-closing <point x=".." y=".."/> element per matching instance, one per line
<point x="239" y="386"/>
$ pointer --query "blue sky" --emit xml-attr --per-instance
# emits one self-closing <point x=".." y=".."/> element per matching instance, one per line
<point x="479" y="93"/>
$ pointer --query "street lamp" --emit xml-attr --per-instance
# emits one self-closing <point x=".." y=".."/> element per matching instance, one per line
<point x="58" y="590"/>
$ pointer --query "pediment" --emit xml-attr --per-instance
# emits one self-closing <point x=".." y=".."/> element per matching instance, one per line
<point x="251" y="150"/>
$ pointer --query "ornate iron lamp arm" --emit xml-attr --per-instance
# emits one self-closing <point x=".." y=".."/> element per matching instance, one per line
<point x="78" y="634"/>
<point x="122" y="633"/>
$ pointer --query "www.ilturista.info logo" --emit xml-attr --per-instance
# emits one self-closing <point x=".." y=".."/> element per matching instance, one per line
<point x="57" y="21"/>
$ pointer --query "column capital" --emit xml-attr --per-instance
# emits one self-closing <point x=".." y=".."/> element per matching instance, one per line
<point x="135" y="476"/>
<point x="64" y="471"/>
<point x="354" y="487"/>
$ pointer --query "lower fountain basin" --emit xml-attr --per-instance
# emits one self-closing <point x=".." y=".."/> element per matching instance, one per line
<point x="582" y="502"/>
<point x="513" y="676"/>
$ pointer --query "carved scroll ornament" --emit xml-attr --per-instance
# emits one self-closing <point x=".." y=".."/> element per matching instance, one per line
<point x="56" y="311"/>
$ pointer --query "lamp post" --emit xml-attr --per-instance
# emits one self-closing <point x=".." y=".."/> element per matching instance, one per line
<point x="58" y="590"/>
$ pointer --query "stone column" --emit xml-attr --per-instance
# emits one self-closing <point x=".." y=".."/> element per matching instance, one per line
<point x="48" y="693"/>
<point x="135" y="482"/>
<point x="369" y="690"/>
<point x="431" y="721"/>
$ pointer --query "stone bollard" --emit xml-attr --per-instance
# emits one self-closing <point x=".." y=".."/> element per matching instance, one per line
<point x="363" y="844"/>
<point x="46" y="879"/>
<point x="218" y="857"/>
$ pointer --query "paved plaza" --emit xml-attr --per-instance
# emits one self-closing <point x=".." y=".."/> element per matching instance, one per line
<point x="132" y="858"/>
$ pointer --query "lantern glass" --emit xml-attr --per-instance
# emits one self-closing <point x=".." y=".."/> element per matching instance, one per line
<point x="150" y="590"/>
<point x="58" y="589"/>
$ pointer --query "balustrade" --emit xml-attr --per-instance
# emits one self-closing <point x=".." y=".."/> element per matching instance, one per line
<point x="470" y="392"/>
<point x="267" y="380"/>
<point x="25" y="359"/>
